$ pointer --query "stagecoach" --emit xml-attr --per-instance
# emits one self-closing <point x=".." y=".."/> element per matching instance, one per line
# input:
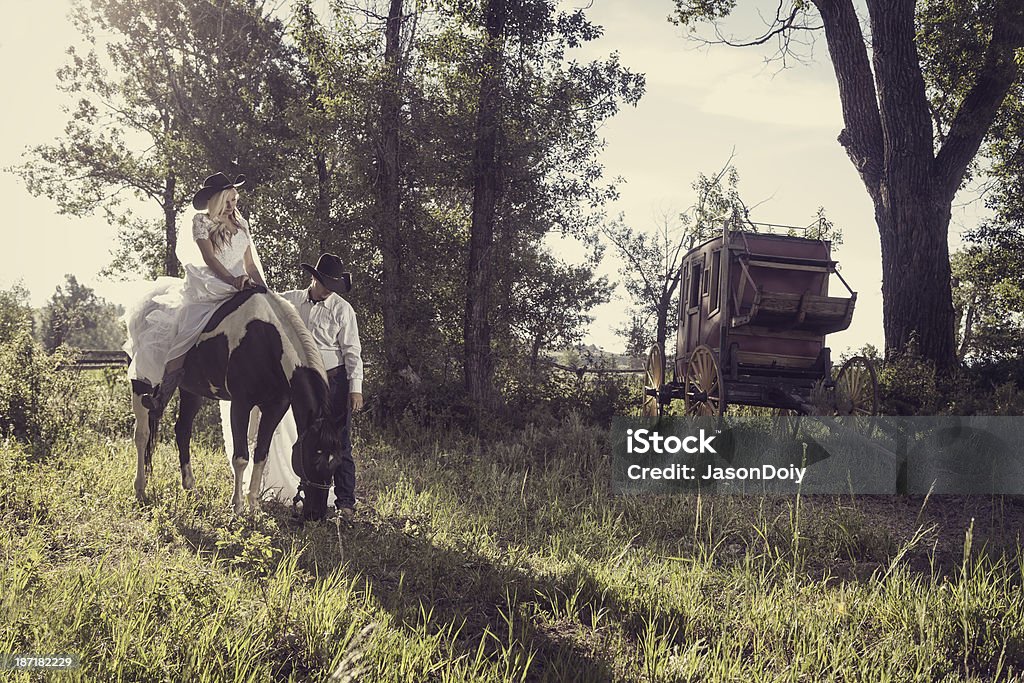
<point x="754" y="310"/>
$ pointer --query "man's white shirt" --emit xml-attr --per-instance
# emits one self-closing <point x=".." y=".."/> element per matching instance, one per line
<point x="332" y="322"/>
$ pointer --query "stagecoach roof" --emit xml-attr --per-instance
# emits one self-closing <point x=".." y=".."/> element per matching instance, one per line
<point x="755" y="232"/>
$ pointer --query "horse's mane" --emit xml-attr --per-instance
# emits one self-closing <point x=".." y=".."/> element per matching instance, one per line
<point x="306" y="346"/>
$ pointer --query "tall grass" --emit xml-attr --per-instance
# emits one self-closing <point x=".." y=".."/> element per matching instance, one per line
<point x="506" y="560"/>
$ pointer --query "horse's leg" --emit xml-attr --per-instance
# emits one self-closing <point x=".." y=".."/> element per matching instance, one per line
<point x="143" y="445"/>
<point x="270" y="417"/>
<point x="188" y="406"/>
<point x="240" y="457"/>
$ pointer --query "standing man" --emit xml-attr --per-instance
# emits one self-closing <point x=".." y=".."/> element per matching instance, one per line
<point x="332" y="323"/>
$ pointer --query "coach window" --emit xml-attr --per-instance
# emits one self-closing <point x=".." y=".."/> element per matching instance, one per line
<point x="716" y="276"/>
<point x="695" y="279"/>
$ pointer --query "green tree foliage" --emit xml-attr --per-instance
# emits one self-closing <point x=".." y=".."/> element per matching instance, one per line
<point x="166" y="90"/>
<point x="75" y="316"/>
<point x="356" y="129"/>
<point x="550" y="302"/>
<point x="652" y="271"/>
<point x="545" y="162"/>
<point x="921" y="84"/>
<point x="988" y="295"/>
<point x="37" y="403"/>
<point x="15" y="312"/>
<point x="533" y="166"/>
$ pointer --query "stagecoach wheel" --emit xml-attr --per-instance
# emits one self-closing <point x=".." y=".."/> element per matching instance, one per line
<point x="703" y="388"/>
<point x="654" y="378"/>
<point x="856" y="393"/>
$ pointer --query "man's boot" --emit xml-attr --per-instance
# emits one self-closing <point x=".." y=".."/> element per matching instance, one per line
<point x="161" y="395"/>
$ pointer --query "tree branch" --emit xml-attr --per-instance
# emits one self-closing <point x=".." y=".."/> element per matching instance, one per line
<point x="862" y="136"/>
<point x="628" y="253"/>
<point x="998" y="73"/>
<point x="779" y="26"/>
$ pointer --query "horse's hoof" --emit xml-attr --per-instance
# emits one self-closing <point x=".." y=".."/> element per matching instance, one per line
<point x="254" y="501"/>
<point x="239" y="506"/>
<point x="140" y="491"/>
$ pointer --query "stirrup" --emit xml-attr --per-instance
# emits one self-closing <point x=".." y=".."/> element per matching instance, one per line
<point x="159" y="398"/>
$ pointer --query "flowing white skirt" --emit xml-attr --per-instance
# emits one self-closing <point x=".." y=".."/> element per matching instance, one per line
<point x="168" y="318"/>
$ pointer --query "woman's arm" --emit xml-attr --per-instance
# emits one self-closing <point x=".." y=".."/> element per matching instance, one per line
<point x="206" y="249"/>
<point x="251" y="269"/>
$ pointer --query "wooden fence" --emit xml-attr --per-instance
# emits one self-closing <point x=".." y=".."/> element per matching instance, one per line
<point x="92" y="359"/>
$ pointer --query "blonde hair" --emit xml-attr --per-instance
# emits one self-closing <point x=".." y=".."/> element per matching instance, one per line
<point x="219" y="234"/>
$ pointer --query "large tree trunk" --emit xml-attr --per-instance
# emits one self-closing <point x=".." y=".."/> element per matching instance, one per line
<point x="394" y="292"/>
<point x="889" y="138"/>
<point x="479" y="368"/>
<point x="917" y="311"/>
<point x="912" y="209"/>
<point x="171" y="264"/>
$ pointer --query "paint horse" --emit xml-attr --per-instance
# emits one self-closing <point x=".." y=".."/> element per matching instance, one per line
<point x="255" y="351"/>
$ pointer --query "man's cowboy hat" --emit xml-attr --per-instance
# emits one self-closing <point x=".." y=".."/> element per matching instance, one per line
<point x="331" y="273"/>
<point x="218" y="182"/>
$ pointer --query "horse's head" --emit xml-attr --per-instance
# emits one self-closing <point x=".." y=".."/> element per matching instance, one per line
<point x="316" y="455"/>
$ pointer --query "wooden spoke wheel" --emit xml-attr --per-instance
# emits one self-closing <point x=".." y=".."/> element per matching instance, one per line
<point x="702" y="382"/>
<point x="857" y="388"/>
<point x="654" y="379"/>
<point x="856" y="393"/>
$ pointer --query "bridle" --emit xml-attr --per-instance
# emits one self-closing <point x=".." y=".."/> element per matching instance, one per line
<point x="305" y="481"/>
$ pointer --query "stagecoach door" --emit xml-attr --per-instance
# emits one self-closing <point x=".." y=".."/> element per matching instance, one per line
<point x="690" y="313"/>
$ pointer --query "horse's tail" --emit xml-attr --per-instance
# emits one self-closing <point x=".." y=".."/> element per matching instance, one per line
<point x="153" y="417"/>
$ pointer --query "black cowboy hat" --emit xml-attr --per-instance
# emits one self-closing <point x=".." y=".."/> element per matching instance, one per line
<point x="331" y="273"/>
<point x="218" y="182"/>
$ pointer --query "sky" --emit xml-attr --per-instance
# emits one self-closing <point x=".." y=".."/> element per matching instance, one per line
<point x="702" y="104"/>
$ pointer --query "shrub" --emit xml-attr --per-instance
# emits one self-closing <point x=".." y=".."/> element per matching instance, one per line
<point x="47" y="405"/>
<point x="15" y="313"/>
<point x="37" y="399"/>
<point x="552" y="395"/>
<point x="908" y="386"/>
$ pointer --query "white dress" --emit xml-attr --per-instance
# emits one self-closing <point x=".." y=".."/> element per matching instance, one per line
<point x="166" y="322"/>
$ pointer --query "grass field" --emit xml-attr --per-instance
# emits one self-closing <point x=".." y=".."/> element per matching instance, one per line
<point x="505" y="561"/>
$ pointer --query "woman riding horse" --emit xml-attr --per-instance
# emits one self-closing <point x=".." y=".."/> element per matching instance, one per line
<point x="252" y="349"/>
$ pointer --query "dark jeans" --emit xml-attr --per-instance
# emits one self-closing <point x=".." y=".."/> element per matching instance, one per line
<point x="345" y="475"/>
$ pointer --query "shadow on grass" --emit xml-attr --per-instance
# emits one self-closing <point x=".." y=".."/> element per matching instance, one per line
<point x="485" y="601"/>
<point x="477" y="589"/>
